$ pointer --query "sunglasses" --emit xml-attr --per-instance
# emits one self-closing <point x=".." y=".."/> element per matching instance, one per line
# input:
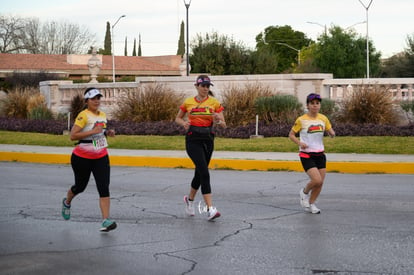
<point x="205" y="85"/>
<point x="314" y="96"/>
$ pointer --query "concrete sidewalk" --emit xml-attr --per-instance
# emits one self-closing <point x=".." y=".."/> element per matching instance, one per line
<point x="262" y="161"/>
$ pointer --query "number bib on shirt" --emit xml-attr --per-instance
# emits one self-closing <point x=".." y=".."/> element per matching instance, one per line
<point x="100" y="143"/>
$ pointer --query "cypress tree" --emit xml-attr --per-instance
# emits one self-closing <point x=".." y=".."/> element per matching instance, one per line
<point x="181" y="43"/>
<point x="134" y="50"/>
<point x="125" y="49"/>
<point x="139" y="46"/>
<point x="108" y="41"/>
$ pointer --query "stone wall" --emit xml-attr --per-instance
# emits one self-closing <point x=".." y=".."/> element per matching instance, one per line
<point x="298" y="85"/>
<point x="60" y="93"/>
<point x="400" y="88"/>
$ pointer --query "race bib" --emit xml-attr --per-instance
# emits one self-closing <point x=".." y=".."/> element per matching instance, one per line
<point x="100" y="143"/>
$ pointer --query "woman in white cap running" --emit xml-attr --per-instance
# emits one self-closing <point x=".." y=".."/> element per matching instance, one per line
<point x="91" y="156"/>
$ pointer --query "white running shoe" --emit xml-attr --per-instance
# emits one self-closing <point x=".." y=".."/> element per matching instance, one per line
<point x="304" y="199"/>
<point x="213" y="213"/>
<point x="189" y="206"/>
<point x="313" y="209"/>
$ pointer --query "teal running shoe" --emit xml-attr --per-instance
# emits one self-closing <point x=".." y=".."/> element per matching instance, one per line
<point x="108" y="225"/>
<point x="65" y="210"/>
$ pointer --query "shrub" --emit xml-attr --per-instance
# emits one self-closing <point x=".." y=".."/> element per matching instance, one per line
<point x="329" y="108"/>
<point x="408" y="108"/>
<point x="37" y="109"/>
<point x="36" y="126"/>
<point x="239" y="103"/>
<point x="25" y="103"/>
<point x="167" y="128"/>
<point x="368" y="104"/>
<point x="127" y="78"/>
<point x="77" y="104"/>
<point x="40" y="112"/>
<point x="15" y="104"/>
<point x="28" y="80"/>
<point x="278" y="108"/>
<point x="149" y="103"/>
<point x="102" y="79"/>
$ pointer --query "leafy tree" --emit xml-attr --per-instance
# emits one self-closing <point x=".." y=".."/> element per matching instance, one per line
<point x="410" y="55"/>
<point x="263" y="62"/>
<point x="284" y="44"/>
<point x="402" y="64"/>
<point x="395" y="66"/>
<point x="181" y="43"/>
<point x="219" y="55"/>
<point x="307" y="64"/>
<point x="134" y="50"/>
<point x="344" y="54"/>
<point x="126" y="48"/>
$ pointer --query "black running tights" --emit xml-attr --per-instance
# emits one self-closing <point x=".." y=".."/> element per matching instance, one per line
<point x="82" y="168"/>
<point x="200" y="152"/>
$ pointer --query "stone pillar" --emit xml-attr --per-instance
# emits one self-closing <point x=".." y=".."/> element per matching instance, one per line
<point x="183" y="66"/>
<point x="94" y="64"/>
<point x="348" y="91"/>
<point x="50" y="90"/>
<point x="410" y="92"/>
<point x="399" y="92"/>
<point x="334" y="92"/>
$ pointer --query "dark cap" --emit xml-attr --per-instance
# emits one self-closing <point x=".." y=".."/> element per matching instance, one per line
<point x="203" y="79"/>
<point x="313" y="96"/>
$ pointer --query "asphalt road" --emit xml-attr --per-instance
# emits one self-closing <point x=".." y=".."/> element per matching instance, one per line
<point x="366" y="225"/>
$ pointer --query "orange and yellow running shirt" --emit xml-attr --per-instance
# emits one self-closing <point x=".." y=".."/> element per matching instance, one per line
<point x="97" y="148"/>
<point x="311" y="131"/>
<point x="201" y="113"/>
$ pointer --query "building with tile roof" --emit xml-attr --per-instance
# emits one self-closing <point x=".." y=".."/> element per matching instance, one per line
<point x="75" y="67"/>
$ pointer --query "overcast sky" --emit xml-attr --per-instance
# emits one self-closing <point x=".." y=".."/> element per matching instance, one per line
<point x="158" y="21"/>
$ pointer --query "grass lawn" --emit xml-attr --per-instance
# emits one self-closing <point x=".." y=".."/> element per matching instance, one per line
<point x="361" y="145"/>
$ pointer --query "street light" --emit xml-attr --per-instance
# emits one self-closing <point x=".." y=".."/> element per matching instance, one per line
<point x="353" y="25"/>
<point x="113" y="48"/>
<point x="187" y="6"/>
<point x="289" y="46"/>
<point x="366" y="8"/>
<point x="316" y="23"/>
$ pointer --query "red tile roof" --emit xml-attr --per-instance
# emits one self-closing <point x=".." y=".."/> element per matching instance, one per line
<point x="168" y="65"/>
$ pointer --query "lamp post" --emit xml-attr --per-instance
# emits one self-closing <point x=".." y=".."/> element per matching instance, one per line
<point x="366" y="8"/>
<point x="187" y="6"/>
<point x="289" y="46"/>
<point x="316" y="23"/>
<point x="353" y="25"/>
<point x="113" y="48"/>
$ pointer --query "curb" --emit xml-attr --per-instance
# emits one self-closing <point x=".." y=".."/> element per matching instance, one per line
<point x="221" y="164"/>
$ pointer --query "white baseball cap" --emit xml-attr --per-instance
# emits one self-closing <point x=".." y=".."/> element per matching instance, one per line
<point x="92" y="93"/>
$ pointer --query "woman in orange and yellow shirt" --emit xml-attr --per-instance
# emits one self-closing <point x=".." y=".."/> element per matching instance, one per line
<point x="203" y="112"/>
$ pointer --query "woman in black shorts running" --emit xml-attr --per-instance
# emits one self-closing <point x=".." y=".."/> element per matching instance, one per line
<point x="311" y="128"/>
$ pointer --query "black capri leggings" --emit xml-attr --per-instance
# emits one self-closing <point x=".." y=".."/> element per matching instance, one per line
<point x="200" y="152"/>
<point x="82" y="168"/>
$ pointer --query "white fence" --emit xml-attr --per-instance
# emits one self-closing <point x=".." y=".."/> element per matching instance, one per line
<point x="59" y="94"/>
<point x="400" y="88"/>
